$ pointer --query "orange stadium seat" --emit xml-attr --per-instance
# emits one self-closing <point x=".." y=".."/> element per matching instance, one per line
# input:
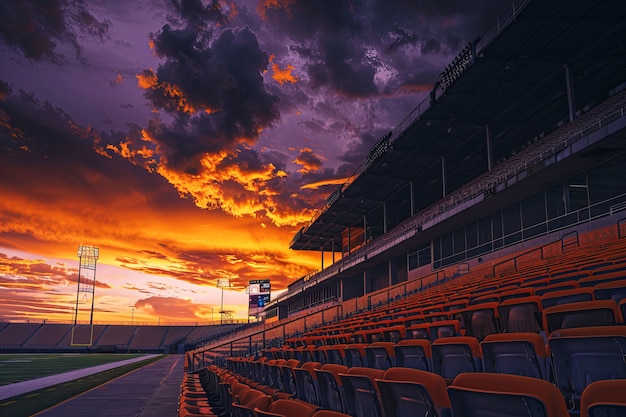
<point x="573" y="295"/>
<point x="521" y="315"/>
<point x="251" y="399"/>
<point x="329" y="413"/>
<point x="306" y="382"/>
<point x="503" y="395"/>
<point x="455" y="355"/>
<point x="286" y="378"/>
<point x="380" y="355"/>
<point x="567" y="285"/>
<point x="394" y="333"/>
<point x="480" y="320"/>
<point x="414" y="353"/>
<point x="604" y="398"/>
<point x="336" y="354"/>
<point x="331" y="388"/>
<point x="418" y="331"/>
<point x="584" y="355"/>
<point x="287" y="408"/>
<point x="355" y="355"/>
<point x="406" y="392"/>
<point x="361" y="391"/>
<point x="581" y="314"/>
<point x="522" y="354"/>
<point x="613" y="290"/>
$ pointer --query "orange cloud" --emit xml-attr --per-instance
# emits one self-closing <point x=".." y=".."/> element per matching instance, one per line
<point x="174" y="309"/>
<point x="264" y="5"/>
<point x="282" y="75"/>
<point x="309" y="160"/>
<point x="76" y="190"/>
<point x="148" y="80"/>
<point x="331" y="181"/>
<point x="235" y="187"/>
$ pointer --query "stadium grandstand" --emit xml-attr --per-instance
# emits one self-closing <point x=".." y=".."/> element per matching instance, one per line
<point x="18" y="337"/>
<point x="478" y="254"/>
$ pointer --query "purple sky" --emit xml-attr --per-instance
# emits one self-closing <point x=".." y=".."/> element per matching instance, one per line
<point x="242" y="114"/>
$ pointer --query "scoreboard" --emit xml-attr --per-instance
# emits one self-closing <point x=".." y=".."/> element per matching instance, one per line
<point x="259" y="296"/>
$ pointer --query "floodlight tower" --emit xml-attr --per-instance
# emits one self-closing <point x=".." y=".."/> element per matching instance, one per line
<point x="222" y="283"/>
<point x="88" y="256"/>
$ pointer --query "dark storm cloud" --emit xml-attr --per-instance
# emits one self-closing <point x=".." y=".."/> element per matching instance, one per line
<point x="343" y="65"/>
<point x="5" y="90"/>
<point x="309" y="160"/>
<point x="357" y="153"/>
<point x="60" y="165"/>
<point x="36" y="28"/>
<point x="345" y="44"/>
<point x="197" y="14"/>
<point x="215" y="92"/>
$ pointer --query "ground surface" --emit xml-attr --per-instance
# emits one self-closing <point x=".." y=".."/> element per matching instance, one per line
<point x="23" y="367"/>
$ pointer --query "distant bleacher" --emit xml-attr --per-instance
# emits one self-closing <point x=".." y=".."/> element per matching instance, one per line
<point x="55" y="337"/>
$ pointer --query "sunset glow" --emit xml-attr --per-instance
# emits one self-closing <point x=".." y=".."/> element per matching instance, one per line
<point x="189" y="141"/>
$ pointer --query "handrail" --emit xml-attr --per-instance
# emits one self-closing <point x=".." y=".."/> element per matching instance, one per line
<point x="576" y="242"/>
<point x="619" y="227"/>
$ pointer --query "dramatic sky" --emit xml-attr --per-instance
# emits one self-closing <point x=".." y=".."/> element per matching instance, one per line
<point x="189" y="140"/>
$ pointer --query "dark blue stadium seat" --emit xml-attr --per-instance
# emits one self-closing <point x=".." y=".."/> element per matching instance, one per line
<point x="306" y="382"/>
<point x="614" y="290"/>
<point x="361" y="391"/>
<point x="380" y="355"/>
<point x="287" y="380"/>
<point x="331" y="388"/>
<point x="605" y="398"/>
<point x="406" y="392"/>
<point x="355" y="355"/>
<point x="581" y="314"/>
<point x="521" y="315"/>
<point x="418" y="331"/>
<point x="414" y="353"/>
<point x="336" y="354"/>
<point x="480" y="320"/>
<point x="584" y="355"/>
<point x="287" y="408"/>
<point x="455" y="355"/>
<point x="503" y="395"/>
<point x="250" y="400"/>
<point x="516" y="354"/>
<point x="573" y="295"/>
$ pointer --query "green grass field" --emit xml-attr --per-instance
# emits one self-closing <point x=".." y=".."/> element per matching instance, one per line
<point x="22" y="367"/>
<point x="19" y="367"/>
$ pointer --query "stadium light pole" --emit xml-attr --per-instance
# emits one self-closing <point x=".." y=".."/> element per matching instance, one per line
<point x="222" y="283"/>
<point x="86" y="284"/>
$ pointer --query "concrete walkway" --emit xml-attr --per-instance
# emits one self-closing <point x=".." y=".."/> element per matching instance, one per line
<point x="19" y="388"/>
<point x="151" y="391"/>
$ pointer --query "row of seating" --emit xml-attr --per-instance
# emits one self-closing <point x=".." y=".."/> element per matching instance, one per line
<point x="405" y="392"/>
<point x="571" y="360"/>
<point x="212" y="392"/>
<point x="524" y="314"/>
<point x="520" y="342"/>
<point x="450" y="300"/>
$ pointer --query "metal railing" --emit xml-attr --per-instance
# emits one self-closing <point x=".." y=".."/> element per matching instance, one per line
<point x="415" y="114"/>
<point x="558" y="140"/>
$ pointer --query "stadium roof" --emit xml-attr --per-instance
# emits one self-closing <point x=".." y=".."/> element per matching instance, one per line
<point x="522" y="65"/>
